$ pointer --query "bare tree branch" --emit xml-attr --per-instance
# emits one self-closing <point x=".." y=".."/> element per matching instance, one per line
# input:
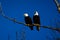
<point x="56" y="2"/>
<point x="14" y="20"/>
<point x="57" y="29"/>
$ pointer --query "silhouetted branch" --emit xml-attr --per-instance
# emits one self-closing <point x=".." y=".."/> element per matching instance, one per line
<point x="14" y="20"/>
<point x="57" y="29"/>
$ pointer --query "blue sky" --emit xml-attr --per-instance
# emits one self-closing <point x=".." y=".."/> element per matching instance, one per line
<point x="47" y="10"/>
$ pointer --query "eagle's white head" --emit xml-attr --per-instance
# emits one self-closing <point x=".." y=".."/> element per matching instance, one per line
<point x="26" y="15"/>
<point x="36" y="13"/>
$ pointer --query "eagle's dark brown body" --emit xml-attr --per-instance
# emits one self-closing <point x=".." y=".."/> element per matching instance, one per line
<point x="28" y="21"/>
<point x="36" y="20"/>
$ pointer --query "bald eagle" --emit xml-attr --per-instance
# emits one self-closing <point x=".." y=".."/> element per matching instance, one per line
<point x="36" y="20"/>
<point x="28" y="21"/>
